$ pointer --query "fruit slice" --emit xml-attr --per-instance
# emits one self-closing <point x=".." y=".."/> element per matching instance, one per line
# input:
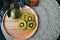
<point x="24" y="15"/>
<point x="31" y="25"/>
<point x="21" y="24"/>
<point x="29" y="17"/>
<point x="15" y="13"/>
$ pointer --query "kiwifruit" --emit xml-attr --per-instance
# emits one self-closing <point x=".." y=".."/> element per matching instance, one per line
<point x="24" y="15"/>
<point x="29" y="17"/>
<point x="21" y="24"/>
<point x="15" y="13"/>
<point x="31" y="25"/>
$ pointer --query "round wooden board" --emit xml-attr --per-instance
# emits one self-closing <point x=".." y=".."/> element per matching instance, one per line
<point x="10" y="25"/>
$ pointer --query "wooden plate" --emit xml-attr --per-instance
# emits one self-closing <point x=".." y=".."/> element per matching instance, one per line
<point x="10" y="25"/>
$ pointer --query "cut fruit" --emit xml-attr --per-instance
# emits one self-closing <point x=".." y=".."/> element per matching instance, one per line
<point x="24" y="15"/>
<point x="29" y="17"/>
<point x="31" y="25"/>
<point x="15" y="13"/>
<point x="21" y="24"/>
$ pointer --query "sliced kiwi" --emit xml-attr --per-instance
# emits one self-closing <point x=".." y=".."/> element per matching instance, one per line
<point x="29" y="17"/>
<point x="21" y="24"/>
<point x="31" y="25"/>
<point x="24" y="15"/>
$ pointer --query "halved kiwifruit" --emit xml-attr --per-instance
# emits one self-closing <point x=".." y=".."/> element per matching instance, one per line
<point x="27" y="17"/>
<point x="24" y="15"/>
<point x="30" y="17"/>
<point x="31" y="25"/>
<point x="21" y="24"/>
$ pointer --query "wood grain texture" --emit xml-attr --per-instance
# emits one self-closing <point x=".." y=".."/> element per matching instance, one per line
<point x="11" y="28"/>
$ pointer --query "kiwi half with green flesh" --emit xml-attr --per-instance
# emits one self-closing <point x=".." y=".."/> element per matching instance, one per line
<point x="31" y="25"/>
<point x="15" y="13"/>
<point x="30" y="17"/>
<point x="24" y="15"/>
<point x="21" y="24"/>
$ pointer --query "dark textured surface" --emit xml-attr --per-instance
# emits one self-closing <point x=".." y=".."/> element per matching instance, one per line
<point x="59" y="4"/>
<point x="1" y="35"/>
<point x="58" y="1"/>
<point x="58" y="38"/>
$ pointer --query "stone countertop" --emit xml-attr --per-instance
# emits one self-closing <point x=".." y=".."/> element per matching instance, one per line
<point x="48" y="12"/>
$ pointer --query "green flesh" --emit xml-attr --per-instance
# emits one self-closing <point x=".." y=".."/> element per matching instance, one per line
<point x="31" y="27"/>
<point x="21" y="27"/>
